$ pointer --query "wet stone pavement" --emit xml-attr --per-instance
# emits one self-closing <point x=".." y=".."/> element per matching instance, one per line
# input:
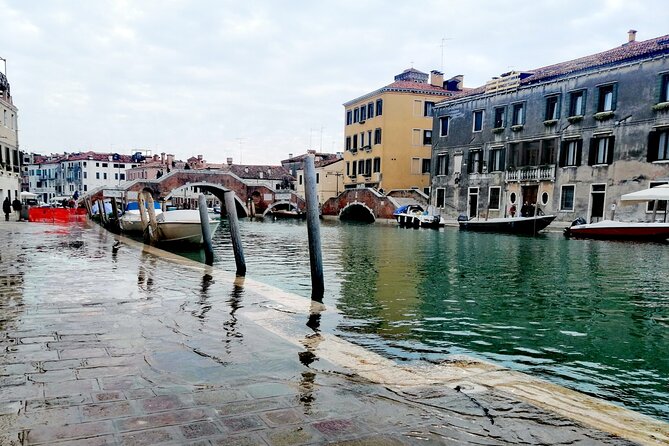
<point x="107" y="343"/>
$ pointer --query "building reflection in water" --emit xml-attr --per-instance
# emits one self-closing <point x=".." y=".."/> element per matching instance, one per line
<point x="11" y="298"/>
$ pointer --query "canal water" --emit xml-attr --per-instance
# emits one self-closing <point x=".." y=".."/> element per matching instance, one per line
<point x="589" y="315"/>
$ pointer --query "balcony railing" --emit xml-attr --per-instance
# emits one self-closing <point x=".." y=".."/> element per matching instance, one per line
<point x="541" y="173"/>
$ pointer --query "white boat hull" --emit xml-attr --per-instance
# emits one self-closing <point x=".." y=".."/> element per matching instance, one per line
<point x="182" y="226"/>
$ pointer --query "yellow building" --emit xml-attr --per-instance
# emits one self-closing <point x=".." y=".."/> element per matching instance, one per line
<point x="329" y="179"/>
<point x="388" y="132"/>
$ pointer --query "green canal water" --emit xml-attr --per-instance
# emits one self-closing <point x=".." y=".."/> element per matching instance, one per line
<point x="590" y="315"/>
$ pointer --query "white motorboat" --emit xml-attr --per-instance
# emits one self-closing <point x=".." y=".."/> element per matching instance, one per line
<point x="182" y="226"/>
<point x="413" y="216"/>
<point x="131" y="221"/>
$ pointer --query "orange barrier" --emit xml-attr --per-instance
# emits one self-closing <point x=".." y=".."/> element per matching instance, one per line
<point x="57" y="215"/>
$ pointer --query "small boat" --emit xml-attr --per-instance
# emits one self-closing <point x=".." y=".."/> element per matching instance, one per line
<point x="618" y="230"/>
<point x="414" y="216"/>
<point x="131" y="221"/>
<point x="287" y="213"/>
<point x="510" y="225"/>
<point x="634" y="231"/>
<point x="182" y="226"/>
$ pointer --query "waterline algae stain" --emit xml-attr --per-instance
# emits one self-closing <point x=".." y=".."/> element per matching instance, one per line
<point x="592" y="316"/>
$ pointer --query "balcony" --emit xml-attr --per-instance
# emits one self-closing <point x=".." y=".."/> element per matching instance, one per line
<point x="540" y="173"/>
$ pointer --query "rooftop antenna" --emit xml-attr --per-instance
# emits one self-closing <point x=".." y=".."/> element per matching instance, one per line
<point x="443" y="45"/>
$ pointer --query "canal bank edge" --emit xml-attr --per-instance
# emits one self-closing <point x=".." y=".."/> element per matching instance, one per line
<point x="470" y="375"/>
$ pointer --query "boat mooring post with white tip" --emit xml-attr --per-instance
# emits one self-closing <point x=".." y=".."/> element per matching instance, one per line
<point x="313" y="230"/>
<point x="153" y="224"/>
<point x="206" y="230"/>
<point x="231" y="209"/>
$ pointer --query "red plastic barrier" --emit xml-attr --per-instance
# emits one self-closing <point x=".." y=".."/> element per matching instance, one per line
<point x="57" y="215"/>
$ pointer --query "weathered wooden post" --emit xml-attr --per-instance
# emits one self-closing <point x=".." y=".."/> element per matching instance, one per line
<point x="152" y="217"/>
<point x="231" y="209"/>
<point x="101" y="211"/>
<point x="206" y="230"/>
<point x="313" y="230"/>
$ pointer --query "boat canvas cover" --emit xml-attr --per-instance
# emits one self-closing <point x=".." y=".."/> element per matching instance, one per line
<point x="654" y="193"/>
<point x="404" y="209"/>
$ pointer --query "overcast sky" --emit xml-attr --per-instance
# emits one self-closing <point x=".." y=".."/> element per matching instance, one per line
<point x="258" y="80"/>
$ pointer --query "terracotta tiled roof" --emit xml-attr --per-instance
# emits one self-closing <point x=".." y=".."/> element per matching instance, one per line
<point x="327" y="162"/>
<point x="253" y="172"/>
<point x="416" y="87"/>
<point x="90" y="155"/>
<point x="625" y="53"/>
<point x="300" y="158"/>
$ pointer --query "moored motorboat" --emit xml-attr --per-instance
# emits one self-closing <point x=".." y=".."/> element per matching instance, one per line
<point x="618" y="230"/>
<point x="131" y="221"/>
<point x="287" y="213"/>
<point x="182" y="226"/>
<point x="413" y="216"/>
<point x="510" y="225"/>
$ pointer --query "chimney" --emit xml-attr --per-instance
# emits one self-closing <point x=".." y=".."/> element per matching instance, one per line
<point x="162" y="158"/>
<point x="229" y="160"/>
<point x="454" y="83"/>
<point x="199" y="157"/>
<point x="631" y="35"/>
<point x="437" y="78"/>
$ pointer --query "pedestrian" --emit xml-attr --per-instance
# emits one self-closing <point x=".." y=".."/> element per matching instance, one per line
<point x="17" y="206"/>
<point x="6" y="208"/>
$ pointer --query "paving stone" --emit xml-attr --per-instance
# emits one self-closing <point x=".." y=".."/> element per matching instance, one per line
<point x="243" y="423"/>
<point x="104" y="440"/>
<point x="53" y="376"/>
<point x="13" y="380"/>
<point x="24" y="392"/>
<point x="248" y="439"/>
<point x="196" y="430"/>
<point x="99" y="372"/>
<point x="112" y="361"/>
<point x="81" y="353"/>
<point x="46" y="355"/>
<point x="380" y="440"/>
<point x="270" y="389"/>
<point x="62" y="401"/>
<point x="68" y="388"/>
<point x="148" y="437"/>
<point x="50" y="434"/>
<point x="161" y="403"/>
<point x="107" y="410"/>
<point x="60" y="365"/>
<point x="138" y="394"/>
<point x="250" y="406"/>
<point x="161" y="419"/>
<point x="37" y="339"/>
<point x="282" y="417"/>
<point x="123" y="383"/>
<point x="216" y="397"/>
<point x="338" y="428"/>
<point x="18" y="369"/>
<point x="293" y="436"/>
<point x="108" y="396"/>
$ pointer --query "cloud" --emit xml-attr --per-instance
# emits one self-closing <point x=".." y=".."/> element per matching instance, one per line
<point x="192" y="77"/>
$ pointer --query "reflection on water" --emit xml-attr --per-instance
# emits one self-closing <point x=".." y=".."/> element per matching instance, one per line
<point x="593" y="316"/>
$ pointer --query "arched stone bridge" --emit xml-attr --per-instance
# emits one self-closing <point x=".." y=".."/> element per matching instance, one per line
<point x="217" y="183"/>
<point x="369" y="204"/>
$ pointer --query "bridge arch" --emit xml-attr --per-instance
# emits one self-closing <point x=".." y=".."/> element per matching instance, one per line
<point x="218" y="191"/>
<point x="282" y="205"/>
<point x="357" y="211"/>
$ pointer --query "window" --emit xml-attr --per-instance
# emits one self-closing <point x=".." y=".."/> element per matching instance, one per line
<point x="299" y="180"/>
<point x="658" y="146"/>
<point x="442" y="164"/>
<point x="427" y="137"/>
<point x="362" y="140"/>
<point x="104" y="176"/>
<point x="567" y="198"/>
<point x="426" y="166"/>
<point x="494" y="197"/>
<point x="529" y="155"/>
<point x="370" y="110"/>
<point x="601" y="150"/>
<point x="355" y="142"/>
<point x="441" y="198"/>
<point x="607" y="99"/>
<point x="518" y="117"/>
<point x="349" y="117"/>
<point x="354" y="169"/>
<point x="496" y="162"/>
<point x="318" y="178"/>
<point x="348" y="143"/>
<point x="348" y="169"/>
<point x="552" y="108"/>
<point x="577" y="103"/>
<point x="104" y="164"/>
<point x="499" y="118"/>
<point x="478" y="121"/>
<point x="377" y="136"/>
<point x="570" y="155"/>
<point x="416" y="138"/>
<point x="356" y="115"/>
<point x="416" y="164"/>
<point x="379" y="107"/>
<point x="661" y="205"/>
<point x="664" y="88"/>
<point x="428" y="109"/>
<point x="97" y="175"/>
<point x="363" y="113"/>
<point x="475" y="164"/>
<point x="443" y="125"/>
<point x="369" y="137"/>
<point x="377" y="165"/>
<point x="368" y="167"/>
<point x="548" y="151"/>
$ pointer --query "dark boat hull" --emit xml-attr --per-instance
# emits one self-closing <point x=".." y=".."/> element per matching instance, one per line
<point x="518" y="225"/>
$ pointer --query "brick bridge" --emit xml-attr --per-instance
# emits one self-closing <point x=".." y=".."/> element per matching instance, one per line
<point x="216" y="182"/>
<point x="369" y="204"/>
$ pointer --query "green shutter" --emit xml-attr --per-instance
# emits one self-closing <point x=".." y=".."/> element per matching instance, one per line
<point x="502" y="159"/>
<point x="593" y="151"/>
<point x="585" y="104"/>
<point x="653" y="143"/>
<point x="579" y="152"/>
<point x="614" y="96"/>
<point x="612" y="143"/>
<point x="596" y="104"/>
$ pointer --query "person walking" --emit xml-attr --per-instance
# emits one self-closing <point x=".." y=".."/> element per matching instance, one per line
<point x="6" y="208"/>
<point x="17" y="206"/>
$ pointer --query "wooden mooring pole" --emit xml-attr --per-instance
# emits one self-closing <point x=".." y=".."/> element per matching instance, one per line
<point x="231" y="209"/>
<point x="313" y="230"/>
<point x="206" y="230"/>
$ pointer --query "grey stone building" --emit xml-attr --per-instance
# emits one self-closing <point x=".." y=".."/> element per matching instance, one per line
<point x="570" y="137"/>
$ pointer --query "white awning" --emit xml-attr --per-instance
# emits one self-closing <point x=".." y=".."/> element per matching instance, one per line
<point x="654" y="193"/>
